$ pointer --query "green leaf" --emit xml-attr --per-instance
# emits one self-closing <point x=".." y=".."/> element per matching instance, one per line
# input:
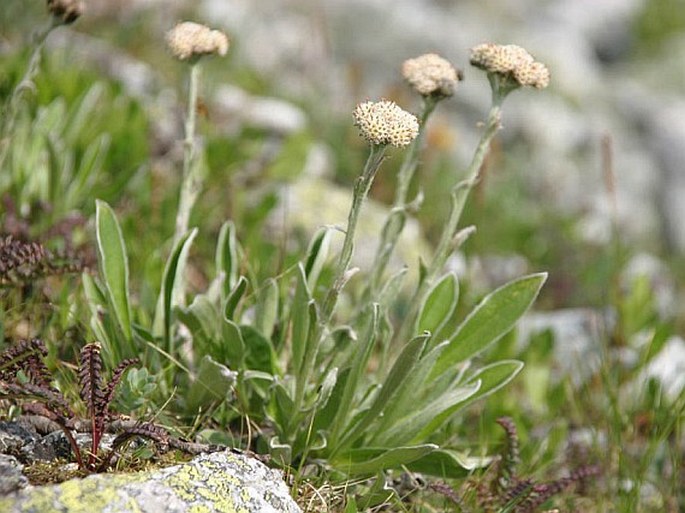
<point x="403" y="366"/>
<point x="204" y="322"/>
<point x="325" y="416"/>
<point x="392" y="287"/>
<point x="493" y="377"/>
<point x="299" y="318"/>
<point x="259" y="355"/>
<point x="351" y="506"/>
<point x="284" y="405"/>
<point x="443" y="463"/>
<point x="266" y="309"/>
<point x="226" y="259"/>
<point x="214" y="382"/>
<point x="483" y="383"/>
<point x="234" y="298"/>
<point x="113" y="264"/>
<point x="326" y="388"/>
<point x="233" y="346"/>
<point x="424" y="420"/>
<point x="355" y="377"/>
<point x="316" y="256"/>
<point x="440" y="303"/>
<point x="89" y="167"/>
<point x="494" y="316"/>
<point x="367" y="461"/>
<point x="411" y="393"/>
<point x="171" y="281"/>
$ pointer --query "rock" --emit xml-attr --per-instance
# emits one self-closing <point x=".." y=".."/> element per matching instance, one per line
<point x="668" y="367"/>
<point x="13" y="436"/>
<point x="218" y="482"/>
<point x="48" y="448"/>
<point x="11" y="478"/>
<point x="234" y="105"/>
<point x="576" y="332"/>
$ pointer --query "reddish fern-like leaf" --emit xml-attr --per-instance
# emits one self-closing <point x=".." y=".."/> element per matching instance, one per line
<point x="90" y="379"/>
<point x="111" y="387"/>
<point x="144" y="430"/>
<point x="16" y="357"/>
<point x="506" y="471"/>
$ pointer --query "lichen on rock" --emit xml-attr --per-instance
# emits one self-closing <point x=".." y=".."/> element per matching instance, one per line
<point x="218" y="482"/>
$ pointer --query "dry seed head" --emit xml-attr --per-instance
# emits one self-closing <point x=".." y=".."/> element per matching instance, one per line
<point x="66" y="11"/>
<point x="431" y="75"/>
<point x="188" y="39"/>
<point x="384" y="122"/>
<point x="511" y="61"/>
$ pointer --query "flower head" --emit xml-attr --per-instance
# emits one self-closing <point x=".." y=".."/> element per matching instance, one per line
<point x="191" y="40"/>
<point x="431" y="75"/>
<point x="384" y="122"/>
<point x="66" y="11"/>
<point x="510" y="61"/>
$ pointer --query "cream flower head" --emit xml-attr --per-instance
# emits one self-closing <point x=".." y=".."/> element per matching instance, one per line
<point x="431" y="75"/>
<point x="191" y="40"/>
<point x="510" y="61"/>
<point x="384" y="122"/>
<point x="66" y="11"/>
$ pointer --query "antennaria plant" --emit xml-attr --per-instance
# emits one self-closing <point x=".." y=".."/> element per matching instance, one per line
<point x="281" y="355"/>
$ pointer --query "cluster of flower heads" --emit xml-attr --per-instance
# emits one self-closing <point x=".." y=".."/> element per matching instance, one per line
<point x="384" y="122"/>
<point x="66" y="11"/>
<point x="189" y="40"/>
<point x="431" y="75"/>
<point x="510" y="61"/>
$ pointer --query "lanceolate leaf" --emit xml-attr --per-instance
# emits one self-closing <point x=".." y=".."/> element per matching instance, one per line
<point x="355" y="378"/>
<point x="367" y="461"/>
<point x="267" y="308"/>
<point x="404" y="365"/>
<point x="493" y="377"/>
<point x="300" y="321"/>
<point x="172" y="278"/>
<point x="113" y="265"/>
<point x="491" y="319"/>
<point x="227" y="257"/>
<point x="439" y="305"/>
<point x="426" y="419"/>
<point x="486" y="381"/>
<point x="443" y="463"/>
<point x="316" y="256"/>
<point x="234" y="298"/>
<point x="410" y="394"/>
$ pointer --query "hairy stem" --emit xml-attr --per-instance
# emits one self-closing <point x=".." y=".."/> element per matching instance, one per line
<point x="191" y="183"/>
<point x="362" y="186"/>
<point x="450" y="238"/>
<point x="394" y="224"/>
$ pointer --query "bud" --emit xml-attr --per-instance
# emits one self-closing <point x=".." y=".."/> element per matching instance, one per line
<point x="384" y="122"/>
<point x="190" y="40"/>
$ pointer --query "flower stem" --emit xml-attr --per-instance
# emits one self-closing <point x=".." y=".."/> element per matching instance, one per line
<point x="451" y="237"/>
<point x="362" y="186"/>
<point x="191" y="183"/>
<point x="394" y="224"/>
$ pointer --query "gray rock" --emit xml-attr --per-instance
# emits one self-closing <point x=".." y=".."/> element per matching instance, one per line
<point x="13" y="436"/>
<point x="11" y="478"/>
<point x="577" y="332"/>
<point x="218" y="482"/>
<point x="669" y="367"/>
